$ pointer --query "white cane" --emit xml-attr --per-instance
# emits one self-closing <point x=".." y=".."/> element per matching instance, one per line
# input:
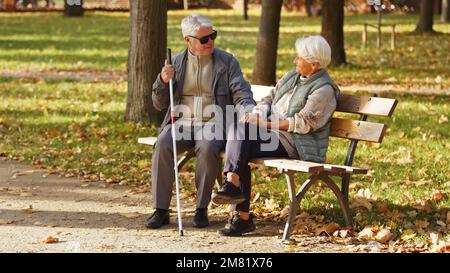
<point x="172" y="115"/>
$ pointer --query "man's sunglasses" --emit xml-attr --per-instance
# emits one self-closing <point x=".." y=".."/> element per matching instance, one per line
<point x="203" y="40"/>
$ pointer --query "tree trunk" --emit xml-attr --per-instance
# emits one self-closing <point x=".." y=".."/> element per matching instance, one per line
<point x="333" y="29"/>
<point x="73" y="8"/>
<point x="146" y="55"/>
<point x="309" y="4"/>
<point x="264" y="70"/>
<point x="9" y="5"/>
<point x="445" y="14"/>
<point x="425" y="24"/>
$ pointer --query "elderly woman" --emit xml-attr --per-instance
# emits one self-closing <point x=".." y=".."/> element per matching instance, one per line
<point x="296" y="114"/>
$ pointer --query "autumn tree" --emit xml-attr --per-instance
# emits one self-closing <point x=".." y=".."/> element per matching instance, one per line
<point x="445" y="15"/>
<point x="264" y="70"/>
<point x="425" y="24"/>
<point x="333" y="29"/>
<point x="146" y="55"/>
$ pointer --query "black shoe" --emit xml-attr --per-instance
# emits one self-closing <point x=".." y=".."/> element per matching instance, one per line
<point x="238" y="226"/>
<point x="231" y="220"/>
<point x="159" y="218"/>
<point x="201" y="218"/>
<point x="228" y="194"/>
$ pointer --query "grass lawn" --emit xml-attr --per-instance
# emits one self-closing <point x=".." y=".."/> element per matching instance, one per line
<point x="77" y="127"/>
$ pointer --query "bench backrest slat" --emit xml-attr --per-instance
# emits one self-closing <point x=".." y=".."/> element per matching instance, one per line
<point x="357" y="130"/>
<point x="372" y="106"/>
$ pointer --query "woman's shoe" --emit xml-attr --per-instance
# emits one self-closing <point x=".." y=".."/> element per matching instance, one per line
<point x="238" y="226"/>
<point x="228" y="194"/>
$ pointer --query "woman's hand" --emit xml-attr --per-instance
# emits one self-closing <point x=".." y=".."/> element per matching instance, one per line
<point x="248" y="117"/>
<point x="255" y="119"/>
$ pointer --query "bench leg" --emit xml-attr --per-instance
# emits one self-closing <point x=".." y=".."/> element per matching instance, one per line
<point x="220" y="174"/>
<point x="345" y="186"/>
<point x="343" y="202"/>
<point x="295" y="200"/>
<point x="185" y="158"/>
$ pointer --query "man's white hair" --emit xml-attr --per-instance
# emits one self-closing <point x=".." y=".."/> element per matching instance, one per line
<point x="191" y="24"/>
<point x="314" y="49"/>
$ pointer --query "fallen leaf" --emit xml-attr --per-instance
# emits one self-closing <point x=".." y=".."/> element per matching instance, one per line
<point x="439" y="222"/>
<point x="28" y="210"/>
<point x="319" y="218"/>
<point x="407" y="235"/>
<point x="328" y="229"/>
<point x="343" y="233"/>
<point x="423" y="182"/>
<point x="51" y="240"/>
<point x="257" y="195"/>
<point x="365" y="234"/>
<point x="284" y="212"/>
<point x="383" y="236"/>
<point x="6" y="221"/>
<point x="383" y="207"/>
<point x="434" y="238"/>
<point x="363" y="198"/>
<point x="332" y="227"/>
<point x="442" y="247"/>
<point x="423" y="205"/>
<point x="421" y="224"/>
<point x="443" y="119"/>
<point x="412" y="213"/>
<point x="438" y="196"/>
<point x="270" y="204"/>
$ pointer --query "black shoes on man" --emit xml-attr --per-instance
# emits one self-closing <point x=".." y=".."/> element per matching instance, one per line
<point x="161" y="217"/>
<point x="228" y="194"/>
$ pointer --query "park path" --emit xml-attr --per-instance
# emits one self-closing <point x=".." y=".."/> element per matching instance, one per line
<point x="116" y="76"/>
<point x="102" y="217"/>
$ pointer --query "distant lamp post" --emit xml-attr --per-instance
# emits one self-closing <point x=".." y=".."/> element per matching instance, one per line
<point x="378" y="4"/>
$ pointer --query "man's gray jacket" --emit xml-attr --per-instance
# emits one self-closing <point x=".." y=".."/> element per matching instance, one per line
<point x="228" y="84"/>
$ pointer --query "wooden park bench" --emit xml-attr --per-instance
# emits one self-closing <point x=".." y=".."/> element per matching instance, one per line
<point x="353" y="130"/>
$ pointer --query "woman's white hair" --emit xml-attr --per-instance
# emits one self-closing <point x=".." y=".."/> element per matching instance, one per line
<point x="191" y="24"/>
<point x="314" y="49"/>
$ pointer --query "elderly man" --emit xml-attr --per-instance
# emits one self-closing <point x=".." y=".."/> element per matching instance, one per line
<point x="203" y="76"/>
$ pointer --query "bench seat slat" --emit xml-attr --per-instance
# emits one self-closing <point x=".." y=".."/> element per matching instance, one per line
<point x="290" y="164"/>
<point x="147" y="140"/>
<point x="357" y="130"/>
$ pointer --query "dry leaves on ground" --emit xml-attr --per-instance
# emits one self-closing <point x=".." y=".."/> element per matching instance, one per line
<point x="51" y="240"/>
